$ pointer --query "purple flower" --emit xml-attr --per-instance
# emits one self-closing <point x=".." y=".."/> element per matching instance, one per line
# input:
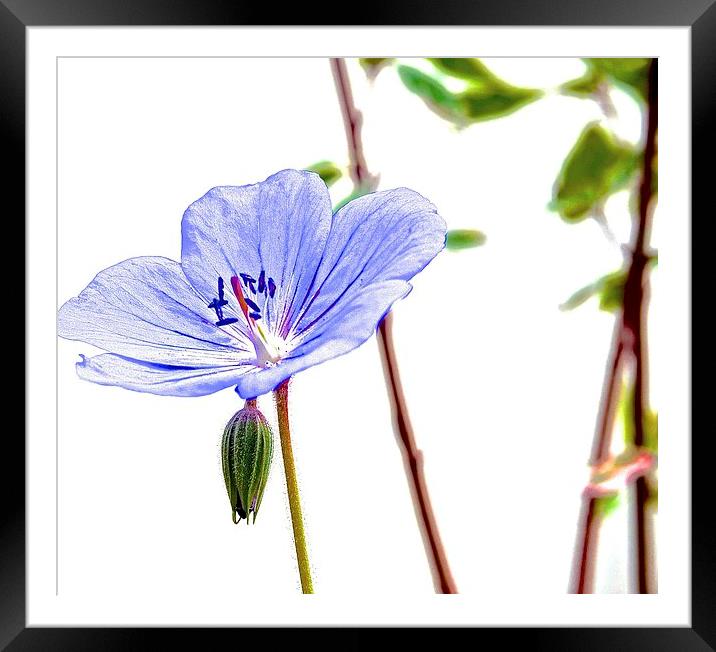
<point x="270" y="283"/>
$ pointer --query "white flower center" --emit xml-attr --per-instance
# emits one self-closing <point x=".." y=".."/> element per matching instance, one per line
<point x="269" y="348"/>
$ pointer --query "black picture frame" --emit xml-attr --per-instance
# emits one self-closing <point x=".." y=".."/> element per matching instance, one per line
<point x="17" y="15"/>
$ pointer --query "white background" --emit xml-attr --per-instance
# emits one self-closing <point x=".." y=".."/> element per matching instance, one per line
<point x="503" y="388"/>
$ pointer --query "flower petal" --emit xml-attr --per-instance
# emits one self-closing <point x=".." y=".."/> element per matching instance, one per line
<point x="278" y="226"/>
<point x="167" y="380"/>
<point x="348" y="328"/>
<point x="383" y="236"/>
<point x="145" y="309"/>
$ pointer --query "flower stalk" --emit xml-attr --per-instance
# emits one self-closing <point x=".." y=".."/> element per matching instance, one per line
<point x="365" y="182"/>
<point x="294" y="501"/>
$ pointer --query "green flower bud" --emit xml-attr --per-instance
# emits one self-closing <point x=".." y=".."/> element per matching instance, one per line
<point x="246" y="449"/>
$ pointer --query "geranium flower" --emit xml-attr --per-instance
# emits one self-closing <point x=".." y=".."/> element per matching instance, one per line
<point x="270" y="283"/>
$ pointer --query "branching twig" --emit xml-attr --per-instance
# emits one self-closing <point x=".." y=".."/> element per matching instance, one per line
<point x="629" y="340"/>
<point x="352" y="121"/>
<point x="364" y="181"/>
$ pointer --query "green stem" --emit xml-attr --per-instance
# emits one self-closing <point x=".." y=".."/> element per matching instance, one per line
<point x="294" y="501"/>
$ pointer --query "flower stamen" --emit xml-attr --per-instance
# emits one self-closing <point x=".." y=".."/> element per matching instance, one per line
<point x="218" y="306"/>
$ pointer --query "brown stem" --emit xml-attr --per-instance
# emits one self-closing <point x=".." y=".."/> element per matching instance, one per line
<point x="413" y="461"/>
<point x="610" y="398"/>
<point x="636" y="296"/>
<point x="352" y="121"/>
<point x="364" y="181"/>
<point x="629" y="338"/>
<point x="585" y="551"/>
<point x="584" y="557"/>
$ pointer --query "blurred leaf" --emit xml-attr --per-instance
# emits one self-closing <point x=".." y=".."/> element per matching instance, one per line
<point x="438" y="98"/>
<point x="651" y="421"/>
<point x="585" y="86"/>
<point x="597" y="166"/>
<point x="358" y="192"/>
<point x="328" y="171"/>
<point x="651" y="431"/>
<point x="653" y="492"/>
<point x="626" y="412"/>
<point x="367" y="61"/>
<point x="373" y="66"/>
<point x="630" y="73"/>
<point x="609" y="289"/>
<point x="487" y="96"/>
<point x="605" y="505"/>
<point x="480" y="104"/>
<point x="579" y="297"/>
<point x="470" y="70"/>
<point x="458" y="239"/>
<point x="621" y="66"/>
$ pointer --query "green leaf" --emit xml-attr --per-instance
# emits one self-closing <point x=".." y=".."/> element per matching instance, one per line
<point x="480" y="104"/>
<point x="651" y="431"/>
<point x="630" y="73"/>
<point x="373" y="66"/>
<point x="486" y="97"/>
<point x="579" y="297"/>
<point x="621" y="66"/>
<point x="626" y="412"/>
<point x="606" y="505"/>
<point x="609" y="289"/>
<point x="597" y="166"/>
<point x="458" y="239"/>
<point x="651" y="421"/>
<point x="358" y="192"/>
<point x="470" y="70"/>
<point x="438" y="98"/>
<point x="328" y="171"/>
<point x="652" y="493"/>
<point x="585" y="86"/>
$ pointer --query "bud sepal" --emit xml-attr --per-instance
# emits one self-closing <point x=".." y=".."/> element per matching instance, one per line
<point x="246" y="450"/>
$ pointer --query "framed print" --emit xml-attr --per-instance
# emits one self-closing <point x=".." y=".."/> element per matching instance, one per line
<point x="396" y="287"/>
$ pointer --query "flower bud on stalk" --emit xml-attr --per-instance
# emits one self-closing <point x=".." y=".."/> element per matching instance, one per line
<point x="246" y="449"/>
